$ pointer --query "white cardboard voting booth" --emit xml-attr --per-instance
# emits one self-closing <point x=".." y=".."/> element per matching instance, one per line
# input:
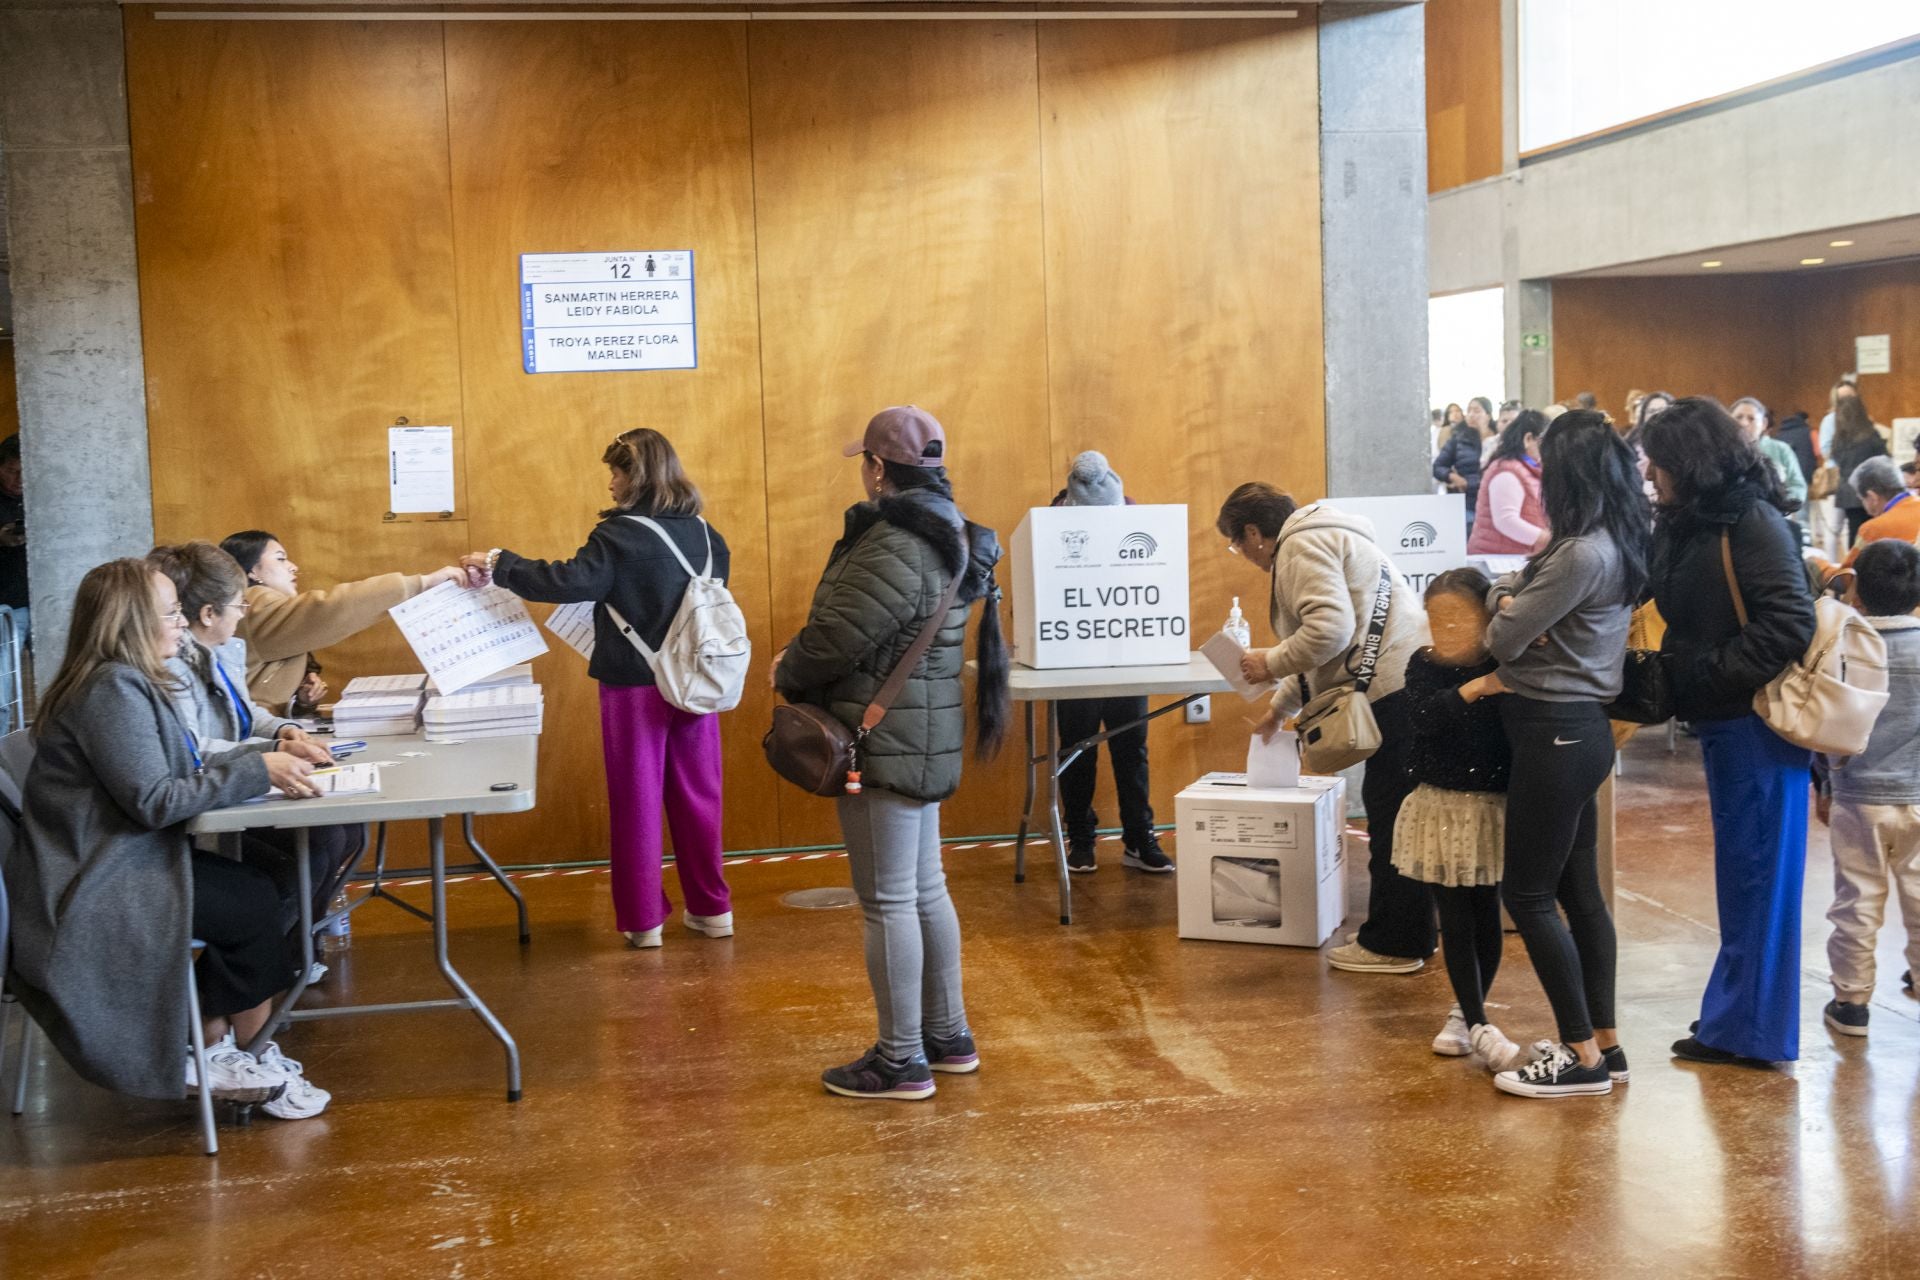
<point x="1101" y="587"/>
<point x="1261" y="865"/>
<point x="1425" y="534"/>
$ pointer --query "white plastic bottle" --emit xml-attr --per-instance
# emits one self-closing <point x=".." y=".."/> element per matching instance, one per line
<point x="339" y="934"/>
<point x="1237" y="626"/>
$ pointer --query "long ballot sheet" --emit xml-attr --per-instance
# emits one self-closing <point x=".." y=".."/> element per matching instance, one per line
<point x="463" y="634"/>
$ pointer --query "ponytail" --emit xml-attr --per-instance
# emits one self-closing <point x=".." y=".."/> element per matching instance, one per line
<point x="992" y="710"/>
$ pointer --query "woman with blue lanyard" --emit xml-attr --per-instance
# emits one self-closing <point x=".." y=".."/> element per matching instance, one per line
<point x="210" y="693"/>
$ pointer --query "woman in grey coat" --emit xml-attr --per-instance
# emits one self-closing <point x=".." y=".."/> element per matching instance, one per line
<point x="104" y="890"/>
<point x="886" y="576"/>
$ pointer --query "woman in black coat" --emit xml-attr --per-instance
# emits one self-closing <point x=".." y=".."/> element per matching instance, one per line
<point x="1855" y="439"/>
<point x="1457" y="465"/>
<point x="1721" y="537"/>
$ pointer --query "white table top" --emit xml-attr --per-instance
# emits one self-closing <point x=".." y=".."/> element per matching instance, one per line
<point x="418" y="779"/>
<point x="1195" y="675"/>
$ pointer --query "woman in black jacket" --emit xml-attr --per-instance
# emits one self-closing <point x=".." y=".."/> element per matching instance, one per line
<point x="1721" y="537"/>
<point x="656" y="754"/>
<point x="1457" y="465"/>
<point x="884" y="581"/>
<point x="1855" y="439"/>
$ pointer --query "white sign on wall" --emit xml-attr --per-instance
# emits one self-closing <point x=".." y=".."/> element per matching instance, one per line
<point x="1101" y="587"/>
<point x="1424" y="534"/>
<point x="1873" y="353"/>
<point x="607" y="312"/>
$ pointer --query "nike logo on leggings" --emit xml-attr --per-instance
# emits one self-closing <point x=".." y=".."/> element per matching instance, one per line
<point x="1562" y="742"/>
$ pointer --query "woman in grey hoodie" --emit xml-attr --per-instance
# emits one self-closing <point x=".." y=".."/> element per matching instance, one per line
<point x="1326" y="572"/>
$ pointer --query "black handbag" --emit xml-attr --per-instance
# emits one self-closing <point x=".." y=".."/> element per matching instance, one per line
<point x="1645" y="695"/>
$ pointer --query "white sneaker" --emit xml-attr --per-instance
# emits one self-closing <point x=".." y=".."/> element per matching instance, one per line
<point x="720" y="926"/>
<point x="1452" y="1042"/>
<point x="1498" y="1052"/>
<point x="233" y="1075"/>
<point x="1355" y="958"/>
<point x="315" y="972"/>
<point x="303" y="1099"/>
<point x="643" y="939"/>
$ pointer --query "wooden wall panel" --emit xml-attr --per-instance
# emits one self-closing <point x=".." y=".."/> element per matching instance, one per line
<point x="898" y="180"/>
<point x="1183" y="285"/>
<point x="1464" y="118"/>
<point x="1726" y="337"/>
<point x="1830" y="309"/>
<point x="571" y="137"/>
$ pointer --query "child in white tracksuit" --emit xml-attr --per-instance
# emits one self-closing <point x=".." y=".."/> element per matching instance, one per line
<point x="1874" y="805"/>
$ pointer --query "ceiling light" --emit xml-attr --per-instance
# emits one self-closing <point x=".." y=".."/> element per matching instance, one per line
<point x="1712" y="262"/>
<point x="1811" y="262"/>
<point x="1838" y="244"/>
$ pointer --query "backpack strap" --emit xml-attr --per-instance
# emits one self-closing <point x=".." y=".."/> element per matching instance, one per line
<point x="626" y="628"/>
<point x="633" y="637"/>
<point x="1376" y="630"/>
<point x="1733" y="579"/>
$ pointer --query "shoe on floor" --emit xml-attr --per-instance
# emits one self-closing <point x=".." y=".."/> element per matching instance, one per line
<point x="1558" y="1075"/>
<point x="233" y="1075"/>
<point x="954" y="1054"/>
<point x="302" y="1099"/>
<point x="1616" y="1060"/>
<point x="1355" y="958"/>
<point x="1080" y="859"/>
<point x="1147" y="856"/>
<point x="1847" y="1019"/>
<point x="872" y="1076"/>
<point x="641" y="939"/>
<point x="1906" y="981"/>
<point x="315" y="972"/>
<point x="1453" y="1041"/>
<point x="1691" y="1050"/>
<point x="720" y="926"/>
<point x="1498" y="1052"/>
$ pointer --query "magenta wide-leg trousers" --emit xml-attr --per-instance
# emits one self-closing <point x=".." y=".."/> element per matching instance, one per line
<point x="660" y="757"/>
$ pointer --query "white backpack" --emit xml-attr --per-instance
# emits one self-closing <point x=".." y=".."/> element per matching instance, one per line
<point x="701" y="666"/>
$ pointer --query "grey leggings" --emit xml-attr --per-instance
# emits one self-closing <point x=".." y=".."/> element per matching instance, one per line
<point x="913" y="935"/>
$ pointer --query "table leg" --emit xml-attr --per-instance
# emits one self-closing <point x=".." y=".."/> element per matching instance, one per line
<point x="493" y="869"/>
<point x="1053" y="813"/>
<point x="1026" y="809"/>
<point x="302" y="838"/>
<point x="437" y="848"/>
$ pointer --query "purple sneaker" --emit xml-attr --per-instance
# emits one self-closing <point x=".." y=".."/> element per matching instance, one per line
<point x="872" y="1076"/>
<point x="955" y="1055"/>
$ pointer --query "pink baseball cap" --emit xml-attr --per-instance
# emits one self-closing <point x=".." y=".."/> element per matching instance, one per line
<point x="906" y="434"/>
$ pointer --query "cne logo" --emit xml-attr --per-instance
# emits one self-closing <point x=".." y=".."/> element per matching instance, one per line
<point x="1418" y="534"/>
<point x="1138" y="546"/>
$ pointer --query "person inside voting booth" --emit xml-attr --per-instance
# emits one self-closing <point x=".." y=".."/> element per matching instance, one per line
<point x="1092" y="483"/>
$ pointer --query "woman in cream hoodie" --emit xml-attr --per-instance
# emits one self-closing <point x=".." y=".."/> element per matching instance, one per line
<point x="284" y="625"/>
<point x="1325" y="568"/>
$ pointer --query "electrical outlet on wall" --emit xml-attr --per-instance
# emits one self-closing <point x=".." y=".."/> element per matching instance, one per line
<point x="1200" y="711"/>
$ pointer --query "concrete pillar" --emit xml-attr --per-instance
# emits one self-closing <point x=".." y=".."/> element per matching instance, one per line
<point x="76" y="305"/>
<point x="1373" y="244"/>
<point x="1529" y="311"/>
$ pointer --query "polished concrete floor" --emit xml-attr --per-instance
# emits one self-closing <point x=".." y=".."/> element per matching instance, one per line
<point x="1148" y="1107"/>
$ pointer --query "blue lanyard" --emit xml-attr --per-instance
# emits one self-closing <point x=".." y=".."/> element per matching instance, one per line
<point x="1905" y="494"/>
<point x="242" y="712"/>
<point x="198" y="763"/>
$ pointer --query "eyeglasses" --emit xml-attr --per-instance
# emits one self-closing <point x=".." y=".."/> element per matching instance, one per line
<point x="176" y="618"/>
<point x="240" y="605"/>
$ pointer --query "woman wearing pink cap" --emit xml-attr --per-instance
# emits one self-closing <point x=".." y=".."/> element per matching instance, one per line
<point x="885" y="580"/>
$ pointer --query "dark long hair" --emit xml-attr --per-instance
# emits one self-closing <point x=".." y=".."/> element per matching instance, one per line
<point x="1513" y="441"/>
<point x="1708" y="458"/>
<point x="1852" y="424"/>
<point x="1590" y="483"/>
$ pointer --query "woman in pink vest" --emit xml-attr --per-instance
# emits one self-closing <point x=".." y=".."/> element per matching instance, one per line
<point x="1509" y="518"/>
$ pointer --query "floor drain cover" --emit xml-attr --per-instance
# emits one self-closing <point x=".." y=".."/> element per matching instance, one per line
<point x="820" y="899"/>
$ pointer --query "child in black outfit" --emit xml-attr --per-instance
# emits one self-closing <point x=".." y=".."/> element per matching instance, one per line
<point x="1450" y="832"/>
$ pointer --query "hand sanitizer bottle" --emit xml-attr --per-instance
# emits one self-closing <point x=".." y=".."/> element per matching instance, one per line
<point x="1237" y="626"/>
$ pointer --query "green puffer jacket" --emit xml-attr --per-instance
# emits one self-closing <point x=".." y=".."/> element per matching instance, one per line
<point x="883" y="580"/>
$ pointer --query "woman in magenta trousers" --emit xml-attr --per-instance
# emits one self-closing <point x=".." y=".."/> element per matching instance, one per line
<point x="658" y="756"/>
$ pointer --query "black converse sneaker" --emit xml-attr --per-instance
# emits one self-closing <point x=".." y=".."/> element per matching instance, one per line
<point x="1847" y="1019"/>
<point x="1616" y="1063"/>
<point x="872" y="1076"/>
<point x="1558" y="1075"/>
<point x="1147" y="856"/>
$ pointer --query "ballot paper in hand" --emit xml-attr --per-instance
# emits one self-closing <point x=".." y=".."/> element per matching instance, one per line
<point x="464" y="634"/>
<point x="1275" y="761"/>
<point x="1224" y="652"/>
<point x="341" y="780"/>
<point x="573" y="623"/>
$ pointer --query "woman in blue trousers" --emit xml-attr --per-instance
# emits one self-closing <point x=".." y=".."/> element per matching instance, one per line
<point x="1729" y="579"/>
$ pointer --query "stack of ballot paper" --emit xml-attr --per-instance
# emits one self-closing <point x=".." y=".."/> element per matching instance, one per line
<point x="378" y="706"/>
<point x="520" y="675"/>
<point x="503" y="711"/>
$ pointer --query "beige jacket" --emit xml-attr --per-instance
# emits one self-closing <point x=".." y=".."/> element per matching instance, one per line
<point x="281" y="630"/>
<point x="1326" y="573"/>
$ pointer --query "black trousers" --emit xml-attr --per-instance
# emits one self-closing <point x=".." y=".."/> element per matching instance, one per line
<point x="1399" y="910"/>
<point x="1082" y="718"/>
<point x="1471" y="939"/>
<point x="236" y="912"/>
<point x="329" y="849"/>
<point x="1561" y="754"/>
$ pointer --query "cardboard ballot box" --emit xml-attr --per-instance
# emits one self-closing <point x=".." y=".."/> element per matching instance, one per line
<point x="1261" y="865"/>
<point x="1101" y="587"/>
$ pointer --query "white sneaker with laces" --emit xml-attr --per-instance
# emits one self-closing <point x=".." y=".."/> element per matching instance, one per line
<point x="1498" y="1052"/>
<point x="720" y="926"/>
<point x="1453" y="1042"/>
<point x="302" y="1099"/>
<point x="1558" y="1075"/>
<point x="641" y="939"/>
<point x="233" y="1075"/>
